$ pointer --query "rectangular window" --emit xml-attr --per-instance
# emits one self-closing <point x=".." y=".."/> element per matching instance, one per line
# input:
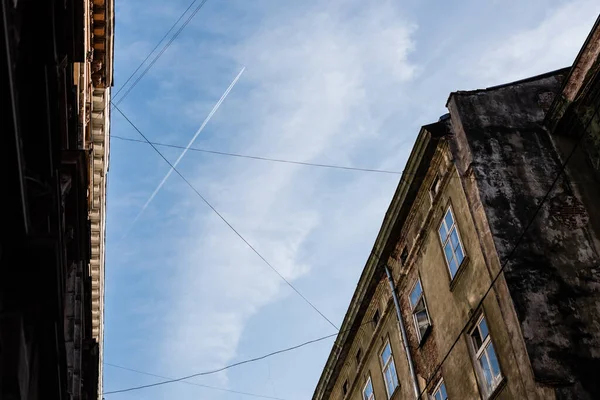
<point x="435" y="185"/>
<point x="440" y="392"/>
<point x="487" y="362"/>
<point x="376" y="317"/>
<point x="368" y="391"/>
<point x="389" y="370"/>
<point x="419" y="310"/>
<point x="453" y="250"/>
<point x="345" y="387"/>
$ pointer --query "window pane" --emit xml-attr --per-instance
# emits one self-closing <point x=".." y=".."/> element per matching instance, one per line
<point x="453" y="267"/>
<point x="448" y="252"/>
<point x="389" y="381"/>
<point x="443" y="232"/>
<point x="394" y="374"/>
<point x="454" y="238"/>
<point x="387" y="353"/>
<point x="368" y="390"/>
<point x="390" y="377"/>
<point x="416" y="293"/>
<point x="485" y="367"/>
<point x="483" y="328"/>
<point x="449" y="219"/>
<point x="443" y="391"/>
<point x="459" y="255"/>
<point x="422" y="319"/>
<point x="476" y="339"/>
<point x="440" y="393"/>
<point x="493" y="360"/>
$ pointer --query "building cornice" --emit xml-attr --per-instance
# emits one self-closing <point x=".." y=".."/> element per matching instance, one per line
<point x="382" y="249"/>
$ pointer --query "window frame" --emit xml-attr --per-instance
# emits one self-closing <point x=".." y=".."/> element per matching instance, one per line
<point x="385" y="366"/>
<point x="445" y="241"/>
<point x="488" y="389"/>
<point x="438" y="388"/>
<point x="413" y="306"/>
<point x="367" y="383"/>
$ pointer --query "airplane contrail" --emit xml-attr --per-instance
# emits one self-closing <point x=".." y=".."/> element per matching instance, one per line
<point x="208" y="117"/>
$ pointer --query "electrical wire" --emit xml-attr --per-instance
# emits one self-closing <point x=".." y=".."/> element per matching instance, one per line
<point x="194" y="383"/>
<point x="166" y="46"/>
<point x="251" y="360"/>
<point x="279" y="160"/>
<point x="512" y="252"/>
<point x="154" y="49"/>
<point x="227" y="222"/>
<point x="259" y="158"/>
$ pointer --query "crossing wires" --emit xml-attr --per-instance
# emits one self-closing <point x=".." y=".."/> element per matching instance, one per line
<point x="161" y="52"/>
<point x="226" y="221"/>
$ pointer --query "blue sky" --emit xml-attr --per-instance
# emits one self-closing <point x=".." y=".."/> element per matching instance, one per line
<point x="341" y="82"/>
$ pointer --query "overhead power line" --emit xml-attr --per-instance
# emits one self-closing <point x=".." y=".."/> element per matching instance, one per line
<point x="165" y="47"/>
<point x="193" y="383"/>
<point x="259" y="158"/>
<point x="513" y="250"/>
<point x="185" y="149"/>
<point x="309" y="164"/>
<point x="237" y="364"/>
<point x="227" y="222"/>
<point x="154" y="49"/>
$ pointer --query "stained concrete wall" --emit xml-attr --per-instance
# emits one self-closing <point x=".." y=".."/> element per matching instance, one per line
<point x="451" y="303"/>
<point x="553" y="275"/>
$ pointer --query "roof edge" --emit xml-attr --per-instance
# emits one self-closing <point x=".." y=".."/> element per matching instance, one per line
<point x="377" y="254"/>
<point x="505" y="85"/>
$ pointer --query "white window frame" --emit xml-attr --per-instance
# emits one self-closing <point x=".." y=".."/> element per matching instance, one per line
<point x="372" y="396"/>
<point x="413" y="306"/>
<point x="445" y="240"/>
<point x="479" y="352"/>
<point x="384" y="367"/>
<point x="437" y="390"/>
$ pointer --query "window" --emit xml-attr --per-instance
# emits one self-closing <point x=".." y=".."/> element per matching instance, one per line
<point x="440" y="392"/>
<point x="419" y="310"/>
<point x="358" y="356"/>
<point x="368" y="391"/>
<point x="376" y="317"/>
<point x="453" y="250"/>
<point x="487" y="362"/>
<point x="345" y="387"/>
<point x="434" y="187"/>
<point x="389" y="370"/>
<point x="404" y="255"/>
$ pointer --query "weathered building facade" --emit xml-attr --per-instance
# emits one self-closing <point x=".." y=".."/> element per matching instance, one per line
<point x="56" y="77"/>
<point x="492" y="246"/>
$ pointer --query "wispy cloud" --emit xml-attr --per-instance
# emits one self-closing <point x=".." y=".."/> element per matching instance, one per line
<point x="315" y="86"/>
<point x="345" y="82"/>
<point x="552" y="44"/>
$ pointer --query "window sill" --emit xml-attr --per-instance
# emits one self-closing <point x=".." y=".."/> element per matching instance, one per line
<point x="497" y="390"/>
<point x="459" y="272"/>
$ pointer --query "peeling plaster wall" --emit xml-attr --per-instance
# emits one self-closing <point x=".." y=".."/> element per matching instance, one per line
<point x="554" y="275"/>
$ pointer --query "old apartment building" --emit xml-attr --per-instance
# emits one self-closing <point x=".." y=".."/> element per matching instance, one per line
<point x="470" y="291"/>
<point x="57" y="71"/>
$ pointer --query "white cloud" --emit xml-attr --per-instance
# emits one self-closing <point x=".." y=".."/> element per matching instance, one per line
<point x="318" y="84"/>
<point x="550" y="45"/>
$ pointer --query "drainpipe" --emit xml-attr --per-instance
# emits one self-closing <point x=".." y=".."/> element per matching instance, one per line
<point x="411" y="367"/>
